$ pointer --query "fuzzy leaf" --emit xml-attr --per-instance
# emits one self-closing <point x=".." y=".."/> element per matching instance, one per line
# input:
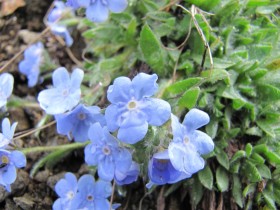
<point x="238" y="155"/>
<point x="251" y="172"/>
<point x="183" y="85"/>
<point x="152" y="50"/>
<point x="196" y="192"/>
<point x="264" y="171"/>
<point x="222" y="158"/>
<point x="237" y="191"/>
<point x="215" y="75"/>
<point x="206" y="177"/>
<point x="189" y="98"/>
<point x="222" y="179"/>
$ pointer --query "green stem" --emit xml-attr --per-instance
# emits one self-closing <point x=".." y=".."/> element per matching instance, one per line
<point x="53" y="148"/>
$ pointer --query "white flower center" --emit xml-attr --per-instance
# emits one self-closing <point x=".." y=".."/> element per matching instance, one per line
<point x="70" y="195"/>
<point x="65" y="92"/>
<point x="186" y="140"/>
<point x="132" y="105"/>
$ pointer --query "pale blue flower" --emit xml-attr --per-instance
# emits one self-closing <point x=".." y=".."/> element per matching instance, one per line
<point x="132" y="109"/>
<point x="30" y="66"/>
<point x="189" y="143"/>
<point x="130" y="176"/>
<point x="105" y="152"/>
<point x="91" y="194"/>
<point x="9" y="161"/>
<point x="66" y="189"/>
<point x="73" y="3"/>
<point x="6" y="87"/>
<point x="98" y="10"/>
<point x="161" y="171"/>
<point x="76" y="123"/>
<point x="7" y="134"/>
<point x="65" y="94"/>
<point x="57" y="28"/>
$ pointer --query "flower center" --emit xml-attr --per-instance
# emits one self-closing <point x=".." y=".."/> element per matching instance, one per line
<point x="106" y="150"/>
<point x="186" y="140"/>
<point x="65" y="92"/>
<point x="81" y="116"/>
<point x="132" y="105"/>
<point x="4" y="160"/>
<point x="90" y="198"/>
<point x="70" y="195"/>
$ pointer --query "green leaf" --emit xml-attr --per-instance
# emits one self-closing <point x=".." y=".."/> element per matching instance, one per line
<point x="189" y="98"/>
<point x="251" y="172"/>
<point x="272" y="157"/>
<point x="222" y="158"/>
<point x="152" y="50"/>
<point x="234" y="167"/>
<point x="212" y="128"/>
<point x="269" y="199"/>
<point x="257" y="159"/>
<point x="264" y="171"/>
<point x="215" y="75"/>
<point x="222" y="179"/>
<point x="237" y="191"/>
<point x="250" y="188"/>
<point x="261" y="148"/>
<point x="238" y="155"/>
<point x="206" y="177"/>
<point x="196" y="192"/>
<point x="183" y="85"/>
<point x="248" y="149"/>
<point x="269" y="92"/>
<point x="266" y="126"/>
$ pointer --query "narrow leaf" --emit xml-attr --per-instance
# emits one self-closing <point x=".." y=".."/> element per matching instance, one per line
<point x="206" y="177"/>
<point x="222" y="179"/>
<point x="189" y="98"/>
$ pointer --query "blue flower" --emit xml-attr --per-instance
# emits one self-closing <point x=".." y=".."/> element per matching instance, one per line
<point x="189" y="143"/>
<point x="130" y="176"/>
<point x="161" y="171"/>
<point x="66" y="189"/>
<point x="98" y="10"/>
<point x="7" y="133"/>
<point x="30" y="66"/>
<point x="6" y="87"/>
<point x="132" y="109"/>
<point x="9" y="161"/>
<point x="105" y="152"/>
<point x="60" y="10"/>
<point x="92" y="195"/>
<point x="65" y="94"/>
<point x="76" y="123"/>
<point x="73" y="3"/>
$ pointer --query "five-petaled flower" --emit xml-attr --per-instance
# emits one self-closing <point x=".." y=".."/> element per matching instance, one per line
<point x="6" y="87"/>
<point x="66" y="189"/>
<point x="105" y="152"/>
<point x="189" y="143"/>
<point x="65" y="94"/>
<point x="60" y="11"/>
<point x="76" y="123"/>
<point x="161" y="171"/>
<point x="30" y="66"/>
<point x="130" y="176"/>
<point x="98" y="10"/>
<point x="132" y="109"/>
<point x="92" y="194"/>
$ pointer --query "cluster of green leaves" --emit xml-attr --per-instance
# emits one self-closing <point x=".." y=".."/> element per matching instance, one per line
<point x="241" y="93"/>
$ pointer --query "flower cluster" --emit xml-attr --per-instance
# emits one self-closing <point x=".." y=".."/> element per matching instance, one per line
<point x="58" y="12"/>
<point x="30" y="66"/>
<point x="6" y="88"/>
<point x="129" y="115"/>
<point x="9" y="160"/>
<point x="86" y="193"/>
<point x="98" y="10"/>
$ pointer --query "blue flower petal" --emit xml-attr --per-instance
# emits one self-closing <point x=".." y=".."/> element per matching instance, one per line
<point x="117" y="6"/>
<point x="60" y="77"/>
<point x="84" y="3"/>
<point x="177" y="129"/>
<point x="103" y="189"/>
<point x="203" y="143"/>
<point x="131" y="135"/>
<point x="18" y="159"/>
<point x="62" y="31"/>
<point x="185" y="158"/>
<point x="158" y="111"/>
<point x="101" y="204"/>
<point x="91" y="155"/>
<point x="63" y="125"/>
<point x="119" y="92"/>
<point x="111" y="116"/>
<point x="97" y="12"/>
<point x="57" y="205"/>
<point x="6" y="87"/>
<point x="144" y="85"/>
<point x="123" y="160"/>
<point x="76" y="78"/>
<point x="195" y="119"/>
<point x="8" y="130"/>
<point x="106" y="169"/>
<point x="95" y="133"/>
<point x="10" y="174"/>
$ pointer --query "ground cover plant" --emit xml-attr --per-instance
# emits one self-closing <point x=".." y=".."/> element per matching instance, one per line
<point x="140" y="105"/>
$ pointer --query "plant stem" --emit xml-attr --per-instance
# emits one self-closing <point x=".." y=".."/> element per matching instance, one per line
<point x="53" y="148"/>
